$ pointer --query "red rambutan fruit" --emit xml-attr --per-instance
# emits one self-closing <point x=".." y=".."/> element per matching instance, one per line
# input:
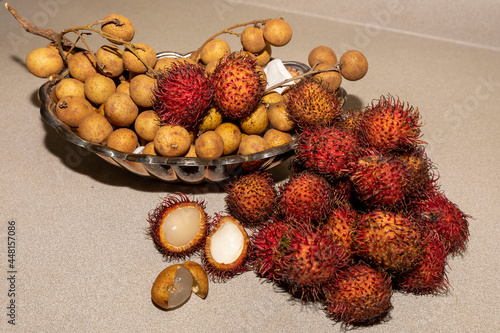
<point x="310" y="103"/>
<point x="178" y="226"/>
<point x="360" y="295"/>
<point x="327" y="150"/>
<point x="183" y="94"/>
<point x="238" y="85"/>
<point x="389" y="124"/>
<point x="391" y="241"/>
<point x="421" y="170"/>
<point x="340" y="224"/>
<point x="251" y="198"/>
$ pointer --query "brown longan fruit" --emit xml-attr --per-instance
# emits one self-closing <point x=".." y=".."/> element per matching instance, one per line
<point x="149" y="148"/>
<point x="110" y="61"/>
<point x="231" y="136"/>
<point x="277" y="32"/>
<point x="133" y="64"/>
<point x="72" y="109"/>
<point x="95" y="128"/>
<point x="44" y="62"/>
<point x="263" y="57"/>
<point x="123" y="139"/>
<point x="191" y="152"/>
<point x="147" y="124"/>
<point x="252" y="39"/>
<point x="172" y="141"/>
<point x="98" y="88"/>
<point x="276" y="138"/>
<point x="164" y="63"/>
<point x="82" y="65"/>
<point x="120" y="109"/>
<point x="209" y="145"/>
<point x="331" y="78"/>
<point x="141" y="90"/>
<point x="322" y="54"/>
<point x="252" y="144"/>
<point x="124" y="31"/>
<point x="211" y="120"/>
<point x="69" y="87"/>
<point x="353" y="65"/>
<point x="123" y="87"/>
<point x="279" y="117"/>
<point x="271" y="97"/>
<point x="214" y="50"/>
<point x="256" y="122"/>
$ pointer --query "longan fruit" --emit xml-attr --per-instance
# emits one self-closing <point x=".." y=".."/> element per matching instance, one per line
<point x="211" y="120"/>
<point x="124" y="31"/>
<point x="149" y="148"/>
<point x="110" y="61"/>
<point x="133" y="64"/>
<point x="279" y="117"/>
<point x="120" y="109"/>
<point x="353" y="65"/>
<point x="252" y="144"/>
<point x="276" y="138"/>
<point x="214" y="50"/>
<point x="172" y="141"/>
<point x="69" y="87"/>
<point x="191" y="152"/>
<point x="123" y="139"/>
<point x="271" y="97"/>
<point x="44" y="62"/>
<point x="331" y="78"/>
<point x="141" y="90"/>
<point x="82" y="65"/>
<point x="164" y="63"/>
<point x="98" y="88"/>
<point x="209" y="145"/>
<point x="123" y="87"/>
<point x="231" y="136"/>
<point x="147" y="124"/>
<point x="252" y="39"/>
<point x="322" y="54"/>
<point x="72" y="109"/>
<point x="277" y="32"/>
<point x="256" y="122"/>
<point x="263" y="57"/>
<point x="95" y="128"/>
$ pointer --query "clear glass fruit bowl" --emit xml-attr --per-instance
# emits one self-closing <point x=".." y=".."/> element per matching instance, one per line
<point x="190" y="170"/>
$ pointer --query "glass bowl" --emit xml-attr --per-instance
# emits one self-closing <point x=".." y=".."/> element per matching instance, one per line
<point x="191" y="170"/>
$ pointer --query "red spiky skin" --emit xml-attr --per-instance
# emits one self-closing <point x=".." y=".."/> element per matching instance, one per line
<point x="381" y="180"/>
<point x="389" y="124"/>
<point x="421" y="168"/>
<point x="305" y="198"/>
<point x="327" y="150"/>
<point x="360" y="295"/>
<point x="429" y="276"/>
<point x="251" y="198"/>
<point x="389" y="240"/>
<point x="340" y="224"/>
<point x="310" y="103"/>
<point x="238" y="85"/>
<point x="440" y="214"/>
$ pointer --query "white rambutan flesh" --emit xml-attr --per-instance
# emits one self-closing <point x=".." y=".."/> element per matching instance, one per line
<point x="181" y="226"/>
<point x="227" y="243"/>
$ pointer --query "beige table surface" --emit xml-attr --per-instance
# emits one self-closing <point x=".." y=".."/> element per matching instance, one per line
<point x="82" y="259"/>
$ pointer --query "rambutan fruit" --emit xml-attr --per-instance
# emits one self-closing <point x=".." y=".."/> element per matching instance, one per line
<point x="440" y="214"/>
<point x="178" y="226"/>
<point x="327" y="150"/>
<point x="391" y="241"/>
<point x="422" y="171"/>
<point x="238" y="85"/>
<point x="429" y="276"/>
<point x="251" y="198"/>
<point x="360" y="295"/>
<point x="182" y="95"/>
<point x="226" y="248"/>
<point x="305" y="198"/>
<point x="340" y="224"/>
<point x="390" y="124"/>
<point x="310" y="103"/>
<point x="381" y="180"/>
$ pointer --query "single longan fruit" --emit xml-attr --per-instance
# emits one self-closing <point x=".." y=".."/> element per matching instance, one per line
<point x="69" y="87"/>
<point x="82" y="65"/>
<point x="252" y="144"/>
<point x="98" y="88"/>
<point x="279" y="117"/>
<point x="147" y="124"/>
<point x="353" y="65"/>
<point x="276" y="138"/>
<point x="123" y="139"/>
<point x="209" y="145"/>
<point x="256" y="122"/>
<point x="172" y="141"/>
<point x="164" y="63"/>
<point x="110" y="61"/>
<point x="214" y="50"/>
<point x="211" y="120"/>
<point x="133" y="64"/>
<point x="44" y="62"/>
<point x="95" y="128"/>
<point x="72" y="109"/>
<point x="272" y="97"/>
<point x="263" y="57"/>
<point x="231" y="136"/>
<point x="141" y="90"/>
<point x="252" y="39"/>
<point x="120" y="109"/>
<point x="331" y="78"/>
<point x="124" y="31"/>
<point x="322" y="54"/>
<point x="123" y="87"/>
<point x="100" y="109"/>
<point x="277" y="32"/>
<point x="149" y="148"/>
<point x="191" y="152"/>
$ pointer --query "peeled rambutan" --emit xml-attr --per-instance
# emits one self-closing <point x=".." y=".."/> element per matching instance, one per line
<point x="360" y="295"/>
<point x="251" y="198"/>
<point x="238" y="85"/>
<point x="389" y="124"/>
<point x="391" y="241"/>
<point x="305" y="198"/>
<point x="183" y="94"/>
<point x="327" y="150"/>
<point x="340" y="224"/>
<point x="178" y="226"/>
<point x="440" y="214"/>
<point x="310" y="103"/>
